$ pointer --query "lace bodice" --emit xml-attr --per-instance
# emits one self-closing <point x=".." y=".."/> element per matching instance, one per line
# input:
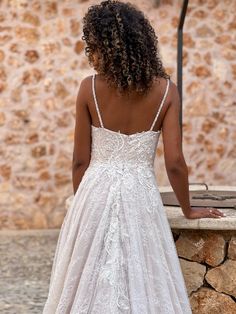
<point x="122" y="150"/>
<point x="117" y="149"/>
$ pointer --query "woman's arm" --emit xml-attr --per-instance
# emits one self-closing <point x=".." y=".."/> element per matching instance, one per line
<point x="82" y="135"/>
<point x="174" y="159"/>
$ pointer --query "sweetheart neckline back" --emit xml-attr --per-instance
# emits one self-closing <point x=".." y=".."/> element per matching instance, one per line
<point x="127" y="135"/>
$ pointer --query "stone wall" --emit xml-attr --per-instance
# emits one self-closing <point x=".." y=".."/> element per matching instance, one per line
<point x="208" y="262"/>
<point x="41" y="65"/>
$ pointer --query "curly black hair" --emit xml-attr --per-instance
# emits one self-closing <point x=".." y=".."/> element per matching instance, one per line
<point x="126" y="44"/>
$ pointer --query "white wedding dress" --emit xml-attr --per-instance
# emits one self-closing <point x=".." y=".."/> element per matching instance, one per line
<point x="116" y="253"/>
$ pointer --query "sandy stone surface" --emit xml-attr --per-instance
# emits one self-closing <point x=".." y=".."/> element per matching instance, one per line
<point x="223" y="277"/>
<point x="206" y="246"/>
<point x="25" y="267"/>
<point x="208" y="301"/>
<point x="232" y="248"/>
<point x="193" y="274"/>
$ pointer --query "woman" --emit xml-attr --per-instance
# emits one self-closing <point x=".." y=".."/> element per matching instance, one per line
<point x="115" y="252"/>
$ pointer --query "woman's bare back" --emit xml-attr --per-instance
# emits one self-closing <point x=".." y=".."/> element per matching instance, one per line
<point x="128" y="114"/>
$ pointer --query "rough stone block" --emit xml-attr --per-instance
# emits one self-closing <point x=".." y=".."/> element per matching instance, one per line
<point x="208" y="301"/>
<point x="232" y="249"/>
<point x="223" y="277"/>
<point x="201" y="247"/>
<point x="193" y="274"/>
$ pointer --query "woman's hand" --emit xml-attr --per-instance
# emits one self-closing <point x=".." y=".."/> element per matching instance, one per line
<point x="204" y="212"/>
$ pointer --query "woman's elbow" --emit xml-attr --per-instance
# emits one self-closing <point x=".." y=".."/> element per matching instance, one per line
<point x="76" y="164"/>
<point x="176" y="165"/>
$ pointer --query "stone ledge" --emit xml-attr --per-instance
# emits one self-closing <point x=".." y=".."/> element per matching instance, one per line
<point x="178" y="221"/>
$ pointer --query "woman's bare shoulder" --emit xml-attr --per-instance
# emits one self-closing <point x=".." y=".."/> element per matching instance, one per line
<point x="85" y="86"/>
<point x="161" y="82"/>
<point x="86" y="81"/>
<point x="173" y="87"/>
<point x="160" y="88"/>
<point x="159" y="85"/>
<point x="173" y="93"/>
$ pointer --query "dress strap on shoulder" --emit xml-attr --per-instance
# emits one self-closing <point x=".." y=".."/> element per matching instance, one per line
<point x="161" y="105"/>
<point x="95" y="100"/>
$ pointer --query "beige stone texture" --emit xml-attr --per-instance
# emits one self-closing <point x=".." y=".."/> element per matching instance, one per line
<point x="207" y="246"/>
<point x="29" y="35"/>
<point x="2" y="55"/>
<point x="31" y="56"/>
<point x="193" y="274"/>
<point x="232" y="249"/>
<point x="2" y="118"/>
<point x="42" y="63"/>
<point x="208" y="301"/>
<point x="223" y="277"/>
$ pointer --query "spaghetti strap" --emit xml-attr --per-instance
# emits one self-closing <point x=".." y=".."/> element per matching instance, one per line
<point x="95" y="100"/>
<point x="161" y="105"/>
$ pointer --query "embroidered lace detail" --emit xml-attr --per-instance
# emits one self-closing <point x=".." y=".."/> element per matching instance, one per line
<point x="115" y="253"/>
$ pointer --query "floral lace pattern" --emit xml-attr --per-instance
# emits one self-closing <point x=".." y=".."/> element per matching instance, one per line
<point x="116" y="253"/>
